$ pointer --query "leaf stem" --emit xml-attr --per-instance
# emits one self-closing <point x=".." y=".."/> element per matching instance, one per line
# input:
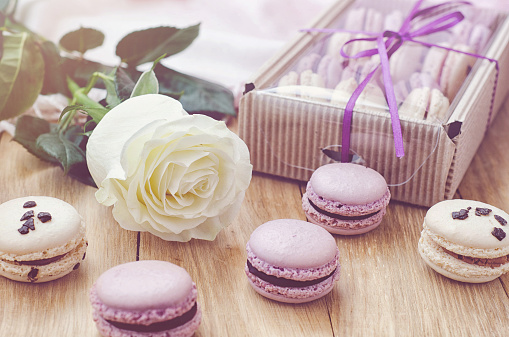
<point x="93" y="80"/>
<point x="79" y="96"/>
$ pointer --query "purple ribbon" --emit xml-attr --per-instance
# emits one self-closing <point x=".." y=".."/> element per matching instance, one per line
<point x="388" y="42"/>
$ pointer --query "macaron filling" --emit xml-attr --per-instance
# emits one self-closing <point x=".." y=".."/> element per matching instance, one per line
<point x="159" y="326"/>
<point x="284" y="282"/>
<point x="484" y="262"/>
<point x="41" y="262"/>
<point x="339" y="216"/>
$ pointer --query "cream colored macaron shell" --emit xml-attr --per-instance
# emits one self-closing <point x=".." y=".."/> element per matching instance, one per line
<point x="466" y="240"/>
<point x="55" y="246"/>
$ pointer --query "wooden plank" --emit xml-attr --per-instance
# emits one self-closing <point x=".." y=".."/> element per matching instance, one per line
<point x="230" y="307"/>
<point x="487" y="178"/>
<point x="385" y="288"/>
<point x="386" y="285"/>
<point x="61" y="307"/>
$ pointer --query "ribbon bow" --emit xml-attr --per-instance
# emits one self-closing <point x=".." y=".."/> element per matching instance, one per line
<point x="388" y="42"/>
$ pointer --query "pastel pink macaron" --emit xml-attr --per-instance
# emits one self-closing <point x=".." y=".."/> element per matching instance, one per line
<point x="346" y="198"/>
<point x="145" y="298"/>
<point x="292" y="261"/>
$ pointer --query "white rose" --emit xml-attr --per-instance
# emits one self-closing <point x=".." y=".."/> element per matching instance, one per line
<point x="175" y="175"/>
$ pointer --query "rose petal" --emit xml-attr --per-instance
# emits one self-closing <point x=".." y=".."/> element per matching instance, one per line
<point x="105" y="145"/>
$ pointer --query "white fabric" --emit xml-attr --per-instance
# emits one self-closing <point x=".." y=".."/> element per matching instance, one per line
<point x="236" y="36"/>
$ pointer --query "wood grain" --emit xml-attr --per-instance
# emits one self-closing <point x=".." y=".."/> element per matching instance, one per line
<point x="61" y="307"/>
<point x="385" y="288"/>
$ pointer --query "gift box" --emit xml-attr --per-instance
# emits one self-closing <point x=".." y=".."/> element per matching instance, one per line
<point x="292" y="114"/>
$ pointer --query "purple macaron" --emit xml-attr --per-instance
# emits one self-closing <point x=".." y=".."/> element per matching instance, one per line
<point x="346" y="198"/>
<point x="292" y="261"/>
<point x="145" y="298"/>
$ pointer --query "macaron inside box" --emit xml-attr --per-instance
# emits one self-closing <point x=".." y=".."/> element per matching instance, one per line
<point x="145" y="298"/>
<point x="425" y="103"/>
<point x="466" y="240"/>
<point x="41" y="239"/>
<point x="292" y="261"/>
<point x="346" y="198"/>
<point x="448" y="67"/>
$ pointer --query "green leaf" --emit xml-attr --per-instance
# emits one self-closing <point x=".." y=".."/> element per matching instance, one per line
<point x="81" y="70"/>
<point x="82" y="40"/>
<point x="147" y="45"/>
<point x="54" y="76"/>
<point x="95" y="113"/>
<point x="28" y="128"/>
<point x="64" y="146"/>
<point x="22" y="69"/>
<point x="199" y="96"/>
<point x="80" y="172"/>
<point x="147" y="84"/>
<point x="112" y="98"/>
<point x="124" y="84"/>
<point x="174" y="95"/>
<point x="89" y="127"/>
<point x="2" y="23"/>
<point x="70" y="108"/>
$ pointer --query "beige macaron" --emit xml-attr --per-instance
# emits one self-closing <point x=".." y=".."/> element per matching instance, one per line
<point x="336" y="43"/>
<point x="288" y="84"/>
<point x="466" y="240"/>
<point x="371" y="98"/>
<point x="41" y="239"/>
<point x="307" y="85"/>
<point x="449" y="68"/>
<point x="425" y="103"/>
<point x="455" y="70"/>
<point x="310" y="78"/>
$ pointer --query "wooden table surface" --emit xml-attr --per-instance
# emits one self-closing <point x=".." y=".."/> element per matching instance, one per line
<point x="385" y="288"/>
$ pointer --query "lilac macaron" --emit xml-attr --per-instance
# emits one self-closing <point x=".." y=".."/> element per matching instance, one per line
<point x="346" y="198"/>
<point x="145" y="298"/>
<point x="292" y="261"/>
